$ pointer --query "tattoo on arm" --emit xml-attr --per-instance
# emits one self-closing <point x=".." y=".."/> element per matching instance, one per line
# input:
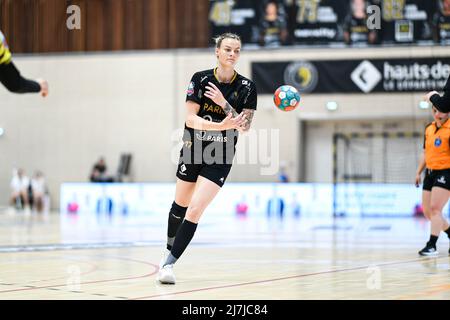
<point x="228" y="108"/>
<point x="249" y="113"/>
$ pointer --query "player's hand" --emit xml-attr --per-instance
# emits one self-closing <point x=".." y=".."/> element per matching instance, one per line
<point x="418" y="180"/>
<point x="233" y="123"/>
<point x="429" y="94"/>
<point x="213" y="93"/>
<point x="44" y="87"/>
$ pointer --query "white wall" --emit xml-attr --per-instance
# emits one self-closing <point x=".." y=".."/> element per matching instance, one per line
<point x="98" y="105"/>
<point x="105" y="104"/>
<point x="319" y="144"/>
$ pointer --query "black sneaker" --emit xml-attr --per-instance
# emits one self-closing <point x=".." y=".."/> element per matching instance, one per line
<point x="429" y="251"/>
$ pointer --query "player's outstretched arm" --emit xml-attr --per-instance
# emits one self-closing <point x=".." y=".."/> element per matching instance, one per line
<point x="44" y="87"/>
<point x="11" y="78"/>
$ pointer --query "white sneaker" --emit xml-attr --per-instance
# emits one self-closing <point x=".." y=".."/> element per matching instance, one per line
<point x="166" y="275"/>
<point x="164" y="258"/>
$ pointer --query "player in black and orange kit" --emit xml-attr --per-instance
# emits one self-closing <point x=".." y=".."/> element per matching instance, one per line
<point x="220" y="103"/>
<point x="11" y="78"/>
<point x="436" y="184"/>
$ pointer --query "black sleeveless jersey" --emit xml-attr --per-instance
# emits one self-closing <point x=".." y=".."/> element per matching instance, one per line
<point x="240" y="94"/>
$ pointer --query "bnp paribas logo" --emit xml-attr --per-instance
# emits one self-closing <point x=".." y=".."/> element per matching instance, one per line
<point x="366" y="76"/>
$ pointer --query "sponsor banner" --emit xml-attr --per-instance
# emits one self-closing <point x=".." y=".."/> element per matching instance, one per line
<point x="327" y="21"/>
<point x="317" y="22"/>
<point x="353" y="76"/>
<point x="240" y="17"/>
<point x="99" y="201"/>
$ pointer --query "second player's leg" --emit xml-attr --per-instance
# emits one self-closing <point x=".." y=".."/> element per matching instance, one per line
<point x="426" y="202"/>
<point x="13" y="199"/>
<point x="439" y="197"/>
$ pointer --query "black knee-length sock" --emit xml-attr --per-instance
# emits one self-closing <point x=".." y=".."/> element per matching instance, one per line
<point x="176" y="216"/>
<point x="433" y="240"/>
<point x="182" y="240"/>
<point x="447" y="232"/>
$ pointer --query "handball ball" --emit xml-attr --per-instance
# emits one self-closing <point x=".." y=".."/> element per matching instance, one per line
<point x="286" y="98"/>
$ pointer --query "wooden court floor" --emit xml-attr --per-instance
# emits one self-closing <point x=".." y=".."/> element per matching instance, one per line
<point x="95" y="257"/>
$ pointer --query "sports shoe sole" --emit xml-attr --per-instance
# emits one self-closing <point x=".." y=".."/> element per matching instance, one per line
<point x="431" y="254"/>
<point x="166" y="281"/>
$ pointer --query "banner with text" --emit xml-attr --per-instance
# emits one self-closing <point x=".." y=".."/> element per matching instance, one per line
<point x="353" y="76"/>
<point x="305" y="22"/>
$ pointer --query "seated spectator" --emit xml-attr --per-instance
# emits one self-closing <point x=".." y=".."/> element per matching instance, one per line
<point x="38" y="191"/>
<point x="99" y="172"/>
<point x="283" y="175"/>
<point x="19" y="189"/>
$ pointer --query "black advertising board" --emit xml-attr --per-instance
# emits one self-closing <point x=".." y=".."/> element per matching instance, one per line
<point x="353" y="76"/>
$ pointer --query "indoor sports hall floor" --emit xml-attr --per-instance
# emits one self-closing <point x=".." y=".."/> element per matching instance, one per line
<point x="97" y="257"/>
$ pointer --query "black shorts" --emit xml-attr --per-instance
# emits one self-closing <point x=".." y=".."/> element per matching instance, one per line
<point x="193" y="163"/>
<point x="436" y="178"/>
<point x="216" y="173"/>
